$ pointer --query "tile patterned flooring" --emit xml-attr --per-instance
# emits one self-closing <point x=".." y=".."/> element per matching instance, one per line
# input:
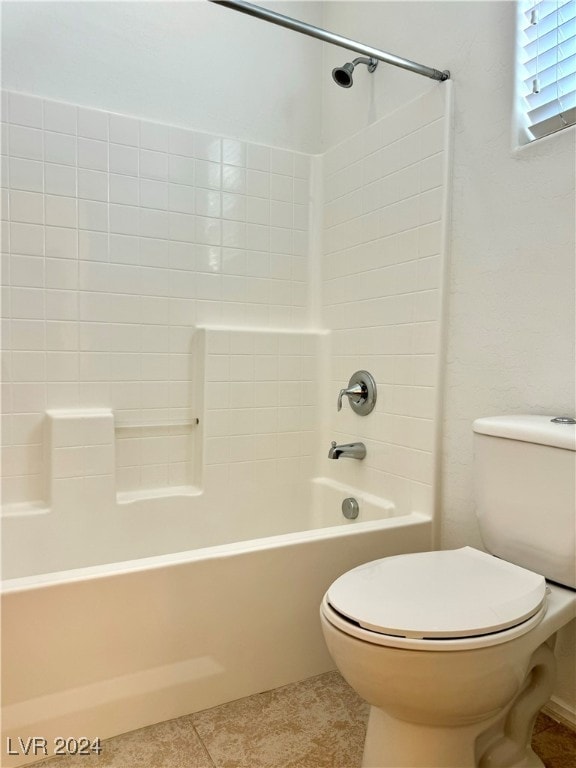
<point x="317" y="723"/>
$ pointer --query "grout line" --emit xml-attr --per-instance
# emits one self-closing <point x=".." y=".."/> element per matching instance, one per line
<point x="204" y="747"/>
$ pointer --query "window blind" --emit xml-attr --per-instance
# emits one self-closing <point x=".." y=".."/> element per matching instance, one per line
<point x="547" y="50"/>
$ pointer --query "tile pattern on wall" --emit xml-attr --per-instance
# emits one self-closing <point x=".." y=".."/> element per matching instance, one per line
<point x="257" y="412"/>
<point x="119" y="235"/>
<point x="156" y="455"/>
<point x="382" y="275"/>
<point x="79" y="460"/>
<point x="261" y="407"/>
<point x="122" y="236"/>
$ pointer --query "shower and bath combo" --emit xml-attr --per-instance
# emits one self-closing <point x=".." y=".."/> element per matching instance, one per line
<point x="342" y="76"/>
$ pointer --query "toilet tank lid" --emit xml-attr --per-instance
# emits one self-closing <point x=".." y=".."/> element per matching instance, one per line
<point x="529" y="429"/>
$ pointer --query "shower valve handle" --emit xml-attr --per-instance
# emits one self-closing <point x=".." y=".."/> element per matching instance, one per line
<point x="357" y="392"/>
<point x="361" y="393"/>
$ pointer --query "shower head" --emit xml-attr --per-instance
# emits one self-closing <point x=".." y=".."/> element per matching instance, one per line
<point x="342" y="76"/>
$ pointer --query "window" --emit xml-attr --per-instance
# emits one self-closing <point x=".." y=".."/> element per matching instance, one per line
<point x="547" y="66"/>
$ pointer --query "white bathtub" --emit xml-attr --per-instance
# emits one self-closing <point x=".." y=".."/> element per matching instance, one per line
<point x="104" y="649"/>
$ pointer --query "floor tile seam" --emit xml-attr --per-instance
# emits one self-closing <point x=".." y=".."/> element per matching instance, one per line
<point x="203" y="745"/>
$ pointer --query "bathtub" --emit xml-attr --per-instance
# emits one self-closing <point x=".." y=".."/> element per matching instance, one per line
<point x="100" y="650"/>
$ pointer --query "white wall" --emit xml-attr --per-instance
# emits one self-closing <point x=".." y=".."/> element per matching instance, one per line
<point x="192" y="64"/>
<point x="511" y="340"/>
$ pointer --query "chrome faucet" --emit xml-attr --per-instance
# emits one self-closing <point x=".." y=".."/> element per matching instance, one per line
<point x="347" y="451"/>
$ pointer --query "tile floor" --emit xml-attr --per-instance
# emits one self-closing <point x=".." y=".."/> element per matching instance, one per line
<point x="317" y="723"/>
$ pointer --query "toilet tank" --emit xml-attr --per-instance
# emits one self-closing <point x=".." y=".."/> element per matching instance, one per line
<point x="525" y="492"/>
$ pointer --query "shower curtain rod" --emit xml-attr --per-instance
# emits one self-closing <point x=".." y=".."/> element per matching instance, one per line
<point x="331" y="37"/>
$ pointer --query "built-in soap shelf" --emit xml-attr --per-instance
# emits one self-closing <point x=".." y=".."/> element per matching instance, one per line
<point x="158" y="424"/>
<point x="146" y="494"/>
<point x="155" y="428"/>
<point x="155" y="457"/>
<point x="97" y="452"/>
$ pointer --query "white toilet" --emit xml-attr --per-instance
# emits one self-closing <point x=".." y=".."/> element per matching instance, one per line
<point x="453" y="649"/>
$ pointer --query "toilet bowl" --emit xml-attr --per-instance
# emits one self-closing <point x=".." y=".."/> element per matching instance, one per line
<point x="437" y="687"/>
<point x="453" y="650"/>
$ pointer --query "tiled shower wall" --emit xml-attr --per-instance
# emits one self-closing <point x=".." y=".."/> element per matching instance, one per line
<point x="120" y="236"/>
<point x="383" y="265"/>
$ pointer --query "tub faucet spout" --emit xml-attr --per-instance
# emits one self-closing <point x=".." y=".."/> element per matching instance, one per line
<point x="347" y="451"/>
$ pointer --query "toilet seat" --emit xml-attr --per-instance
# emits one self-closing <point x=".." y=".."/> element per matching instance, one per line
<point x="442" y="600"/>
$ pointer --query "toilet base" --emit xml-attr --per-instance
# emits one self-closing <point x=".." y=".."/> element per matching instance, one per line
<point x="530" y="761"/>
<point x="392" y="743"/>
